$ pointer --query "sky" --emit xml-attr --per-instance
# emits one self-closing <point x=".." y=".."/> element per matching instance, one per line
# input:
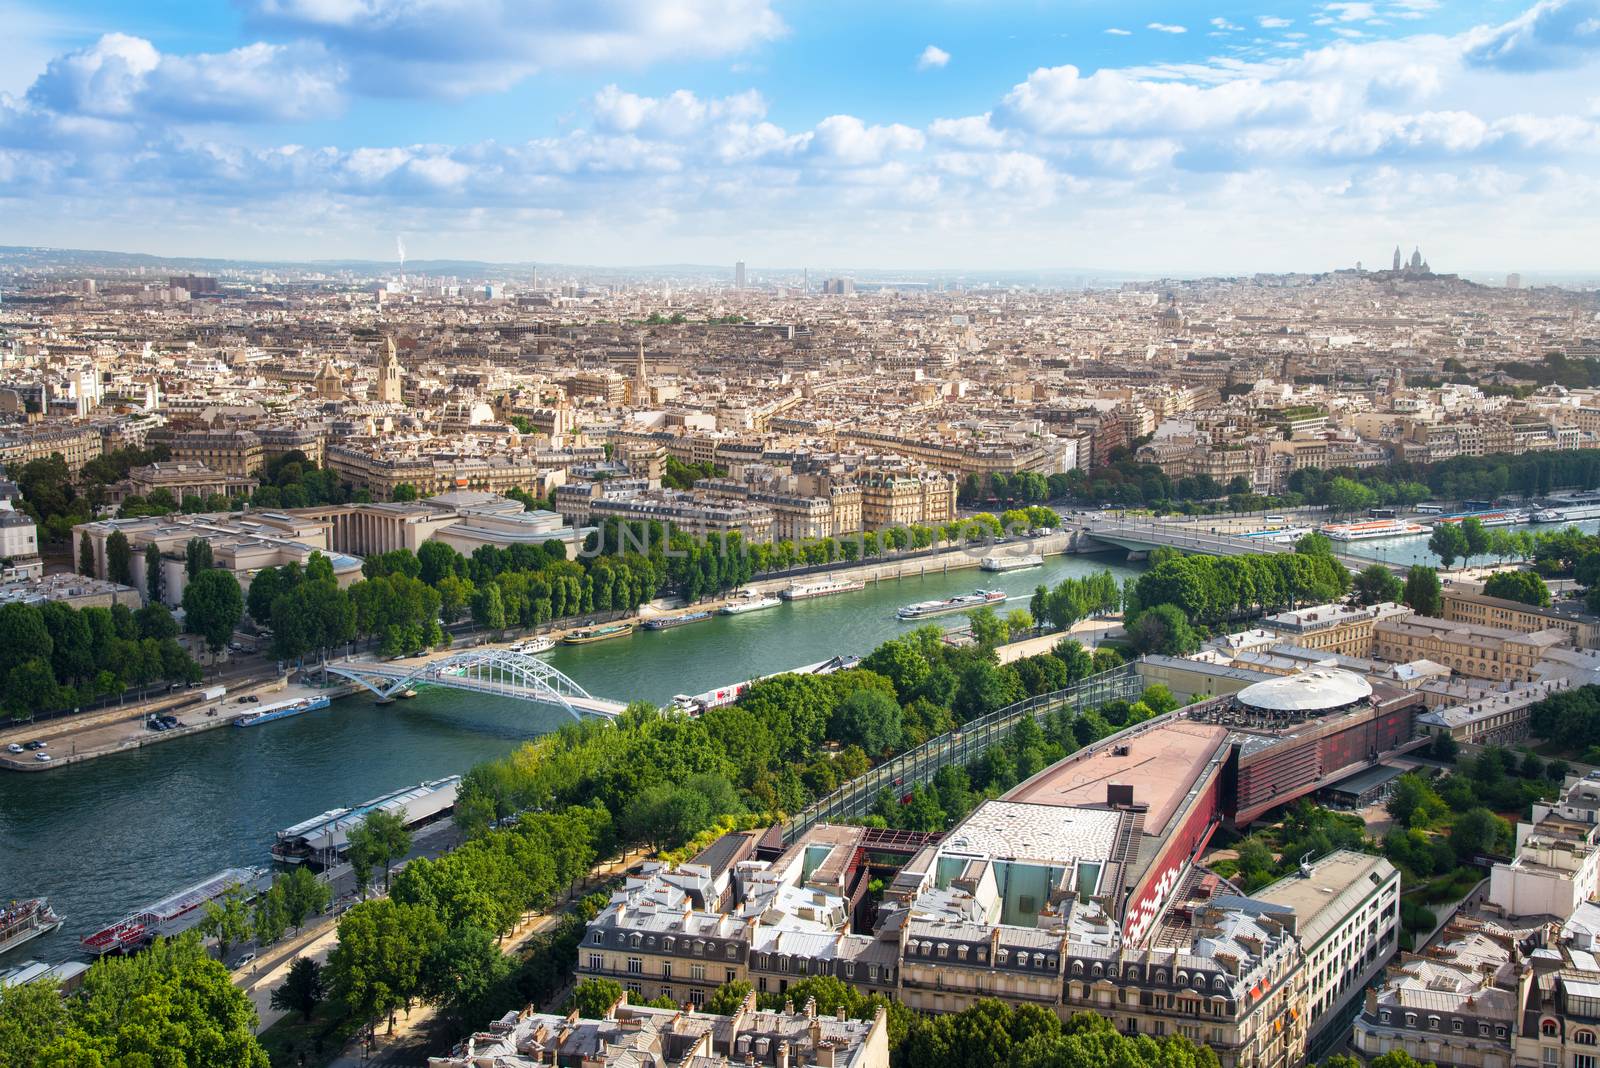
<point x="943" y="134"/>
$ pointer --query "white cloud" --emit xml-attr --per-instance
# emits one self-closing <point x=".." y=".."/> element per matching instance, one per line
<point x="1273" y="22"/>
<point x="127" y="77"/>
<point x="1329" y="144"/>
<point x="1117" y="31"/>
<point x="456" y="47"/>
<point x="1166" y="27"/>
<point x="1550" y="35"/>
<point x="1224" y="25"/>
<point x="932" y="58"/>
<point x="1350" y="11"/>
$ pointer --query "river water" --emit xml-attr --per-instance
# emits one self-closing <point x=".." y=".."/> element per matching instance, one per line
<point x="105" y="836"/>
<point x="1415" y="550"/>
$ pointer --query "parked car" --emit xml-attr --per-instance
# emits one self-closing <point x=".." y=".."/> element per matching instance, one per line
<point x="43" y="758"/>
<point x="14" y="748"/>
<point x="36" y="745"/>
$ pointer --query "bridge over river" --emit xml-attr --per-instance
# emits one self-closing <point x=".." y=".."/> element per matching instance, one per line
<point x="1143" y="535"/>
<point x="492" y="671"/>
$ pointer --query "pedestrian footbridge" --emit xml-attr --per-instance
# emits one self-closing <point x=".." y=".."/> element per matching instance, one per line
<point x="493" y="671"/>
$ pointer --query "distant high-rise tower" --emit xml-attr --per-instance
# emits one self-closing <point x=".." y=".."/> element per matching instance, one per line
<point x="738" y="275"/>
<point x="1397" y="260"/>
<point x="391" y="386"/>
<point x="641" y="385"/>
<point x="1513" y="281"/>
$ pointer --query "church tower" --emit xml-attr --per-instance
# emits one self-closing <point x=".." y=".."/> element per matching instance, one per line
<point x="1397" y="260"/>
<point x="391" y="387"/>
<point x="329" y="385"/>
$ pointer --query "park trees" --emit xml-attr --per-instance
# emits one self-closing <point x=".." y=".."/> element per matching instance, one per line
<point x="377" y="967"/>
<point x="119" y="558"/>
<point x="170" y="1005"/>
<point x="228" y="921"/>
<point x="593" y="998"/>
<point x="302" y="990"/>
<point x="1377" y="584"/>
<point x="196" y="556"/>
<point x="152" y="573"/>
<point x="1449" y="543"/>
<point x="1523" y="586"/>
<point x="1422" y="590"/>
<point x="213" y="606"/>
<point x="381" y="838"/>
<point x="868" y="718"/>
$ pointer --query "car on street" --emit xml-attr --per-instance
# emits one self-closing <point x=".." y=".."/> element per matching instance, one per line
<point x="43" y="758"/>
<point x="245" y="961"/>
<point x="14" y="748"/>
<point x="36" y="745"/>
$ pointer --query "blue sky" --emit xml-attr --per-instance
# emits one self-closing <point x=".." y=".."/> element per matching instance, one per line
<point x="947" y="133"/>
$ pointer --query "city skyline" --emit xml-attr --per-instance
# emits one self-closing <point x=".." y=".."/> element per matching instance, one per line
<point x="1155" y="139"/>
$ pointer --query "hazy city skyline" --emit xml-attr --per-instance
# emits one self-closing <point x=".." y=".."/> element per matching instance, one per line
<point x="1149" y="138"/>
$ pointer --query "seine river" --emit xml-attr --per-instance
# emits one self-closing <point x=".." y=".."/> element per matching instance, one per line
<point x="103" y="837"/>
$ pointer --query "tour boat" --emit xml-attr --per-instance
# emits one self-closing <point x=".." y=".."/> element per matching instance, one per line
<point x="963" y="603"/>
<point x="748" y="601"/>
<point x="23" y="921"/>
<point x="282" y="710"/>
<point x="668" y="622"/>
<point x="1011" y="563"/>
<point x="1372" y="528"/>
<point x="598" y="634"/>
<point x="804" y="591"/>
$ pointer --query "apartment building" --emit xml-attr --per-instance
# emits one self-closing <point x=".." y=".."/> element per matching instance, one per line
<point x="1457" y="1006"/>
<point x="232" y="452"/>
<point x="901" y="499"/>
<point x="1557" y="863"/>
<point x="1341" y="629"/>
<point x="1461" y="604"/>
<point x="1471" y="649"/>
<point x="1347" y="917"/>
<point x="632" y="1036"/>
<point x="76" y="445"/>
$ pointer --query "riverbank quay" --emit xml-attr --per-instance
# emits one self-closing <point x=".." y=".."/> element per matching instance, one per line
<point x="76" y="739"/>
<point x="1087" y="631"/>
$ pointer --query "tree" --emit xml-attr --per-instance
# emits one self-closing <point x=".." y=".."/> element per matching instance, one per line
<point x="382" y="836"/>
<point x="666" y="815"/>
<point x="488" y="610"/>
<point x="196" y="556"/>
<point x="1346" y="495"/>
<point x="228" y="921"/>
<point x="405" y="491"/>
<point x="270" y="921"/>
<point x="213" y="606"/>
<point x="170" y="1005"/>
<point x="119" y="558"/>
<point x="302" y="990"/>
<point x="1448" y="543"/>
<point x="377" y="966"/>
<point x="987" y="628"/>
<point x="1163" y="629"/>
<point x="593" y="998"/>
<point x="1475" y="537"/>
<point x="464" y="969"/>
<point x="1377" y="584"/>
<point x="1523" y="586"/>
<point x="152" y="573"/>
<point x="304" y="896"/>
<point x="86" y="555"/>
<point x="726" y="999"/>
<point x="1423" y="592"/>
<point x="868" y="718"/>
<point x="1478" y="830"/>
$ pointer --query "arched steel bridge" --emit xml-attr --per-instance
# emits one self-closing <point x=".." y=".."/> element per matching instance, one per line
<point x="492" y="671"/>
